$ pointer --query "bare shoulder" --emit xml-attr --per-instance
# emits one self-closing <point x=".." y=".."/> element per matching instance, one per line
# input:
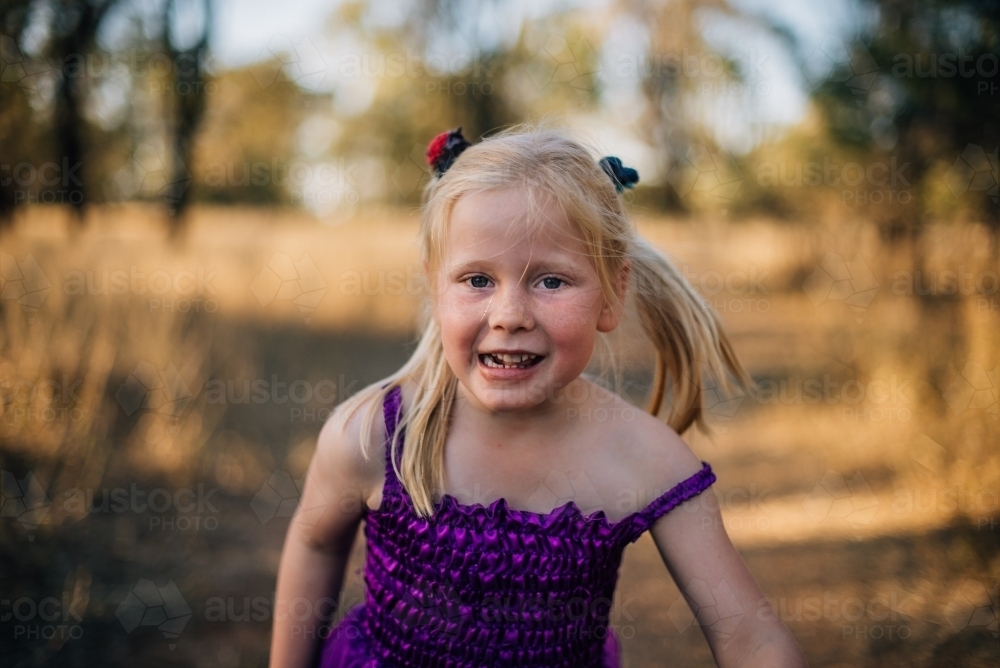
<point x="342" y="476"/>
<point x="339" y="447"/>
<point x="647" y="452"/>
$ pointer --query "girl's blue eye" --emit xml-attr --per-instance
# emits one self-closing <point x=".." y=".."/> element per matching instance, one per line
<point x="479" y="281"/>
<point x="551" y="282"/>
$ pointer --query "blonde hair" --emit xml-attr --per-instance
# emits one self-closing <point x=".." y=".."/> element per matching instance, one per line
<point x="685" y="333"/>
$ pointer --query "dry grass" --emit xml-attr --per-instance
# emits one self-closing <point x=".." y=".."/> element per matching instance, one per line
<point x="863" y="496"/>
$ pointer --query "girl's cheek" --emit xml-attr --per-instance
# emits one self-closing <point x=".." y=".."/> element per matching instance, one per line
<point x="573" y="328"/>
<point x="459" y="323"/>
<point x="460" y="314"/>
<point x="576" y="314"/>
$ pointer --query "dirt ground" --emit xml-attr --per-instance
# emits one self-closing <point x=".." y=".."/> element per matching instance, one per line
<point x="870" y="522"/>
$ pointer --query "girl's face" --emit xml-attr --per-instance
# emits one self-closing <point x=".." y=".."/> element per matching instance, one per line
<point x="519" y="300"/>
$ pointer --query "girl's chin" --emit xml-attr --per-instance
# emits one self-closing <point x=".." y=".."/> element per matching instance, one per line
<point x="508" y="399"/>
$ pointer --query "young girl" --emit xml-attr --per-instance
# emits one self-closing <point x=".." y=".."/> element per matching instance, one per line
<point x="499" y="486"/>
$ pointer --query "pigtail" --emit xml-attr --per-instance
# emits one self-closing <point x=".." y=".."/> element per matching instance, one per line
<point x="422" y="468"/>
<point x="691" y="346"/>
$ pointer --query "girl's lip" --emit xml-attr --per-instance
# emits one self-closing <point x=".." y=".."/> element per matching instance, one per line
<point x="505" y="373"/>
<point x="510" y="351"/>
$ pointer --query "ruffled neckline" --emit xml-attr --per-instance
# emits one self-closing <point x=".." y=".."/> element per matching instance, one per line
<point x="499" y="514"/>
<point x="500" y="508"/>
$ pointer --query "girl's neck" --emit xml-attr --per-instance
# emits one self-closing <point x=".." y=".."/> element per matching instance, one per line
<point x="549" y="418"/>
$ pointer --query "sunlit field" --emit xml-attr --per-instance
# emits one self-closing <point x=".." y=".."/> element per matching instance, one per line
<point x="161" y="401"/>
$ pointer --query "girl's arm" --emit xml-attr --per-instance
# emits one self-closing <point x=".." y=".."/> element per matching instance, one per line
<point x="320" y="536"/>
<point x="737" y="621"/>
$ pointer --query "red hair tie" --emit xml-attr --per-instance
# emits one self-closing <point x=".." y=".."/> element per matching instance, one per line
<point x="444" y="148"/>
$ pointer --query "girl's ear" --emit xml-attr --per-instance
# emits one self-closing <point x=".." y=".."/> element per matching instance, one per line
<point x="611" y="313"/>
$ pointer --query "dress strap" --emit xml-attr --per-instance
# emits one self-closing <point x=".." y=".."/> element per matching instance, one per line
<point x="392" y="410"/>
<point x="675" y="496"/>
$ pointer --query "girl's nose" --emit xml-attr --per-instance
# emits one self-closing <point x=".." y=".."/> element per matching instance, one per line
<point x="509" y="310"/>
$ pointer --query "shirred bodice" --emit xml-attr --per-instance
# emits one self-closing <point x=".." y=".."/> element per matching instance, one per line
<point x="478" y="585"/>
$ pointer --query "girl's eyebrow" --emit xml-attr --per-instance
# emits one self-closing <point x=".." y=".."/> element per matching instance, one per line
<point x="466" y="266"/>
<point x="533" y="267"/>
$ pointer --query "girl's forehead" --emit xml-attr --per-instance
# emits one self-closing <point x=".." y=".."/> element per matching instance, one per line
<point x="510" y="216"/>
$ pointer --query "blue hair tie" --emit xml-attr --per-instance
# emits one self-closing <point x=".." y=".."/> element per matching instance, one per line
<point x="622" y="176"/>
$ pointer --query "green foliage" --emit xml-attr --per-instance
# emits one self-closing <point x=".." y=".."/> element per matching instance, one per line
<point x="920" y="88"/>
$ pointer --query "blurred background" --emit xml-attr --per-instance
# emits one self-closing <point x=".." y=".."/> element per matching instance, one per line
<point x="208" y="213"/>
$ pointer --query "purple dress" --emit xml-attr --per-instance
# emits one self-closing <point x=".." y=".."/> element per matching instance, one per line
<point x="478" y="586"/>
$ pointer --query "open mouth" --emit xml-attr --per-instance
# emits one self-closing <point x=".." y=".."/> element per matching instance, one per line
<point x="515" y="361"/>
